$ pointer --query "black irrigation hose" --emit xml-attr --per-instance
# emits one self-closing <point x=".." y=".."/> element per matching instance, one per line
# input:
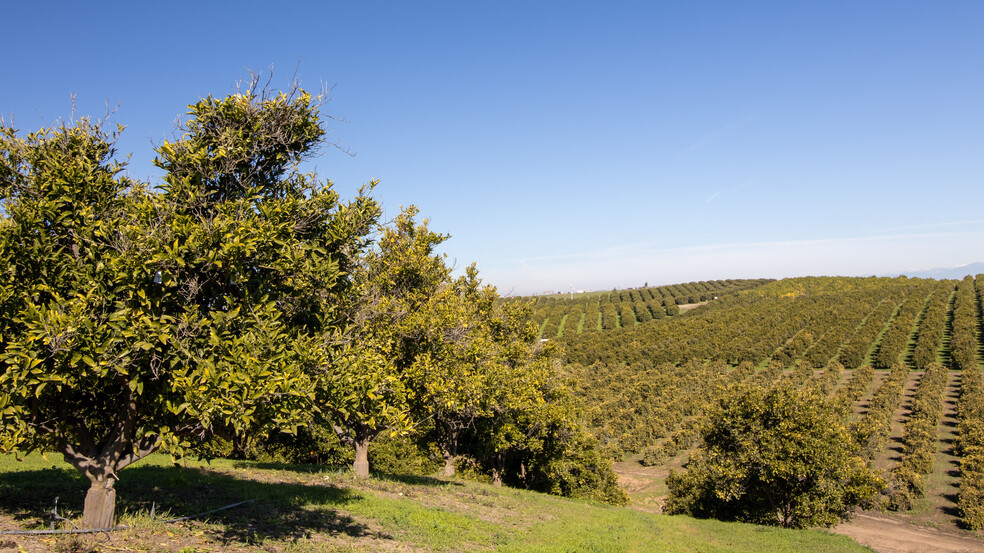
<point x="108" y="530"/>
<point x="47" y="532"/>
<point x="209" y="512"/>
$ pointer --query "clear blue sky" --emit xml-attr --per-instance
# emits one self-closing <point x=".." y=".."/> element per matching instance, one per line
<point x="559" y="143"/>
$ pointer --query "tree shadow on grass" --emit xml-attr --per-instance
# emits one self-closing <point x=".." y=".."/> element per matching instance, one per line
<point x="952" y="507"/>
<point x="410" y="479"/>
<point x="30" y="495"/>
<point x="300" y="468"/>
<point x="277" y="511"/>
<point x="416" y="480"/>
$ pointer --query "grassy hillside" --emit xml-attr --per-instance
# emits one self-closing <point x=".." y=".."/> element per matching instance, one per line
<point x="300" y="508"/>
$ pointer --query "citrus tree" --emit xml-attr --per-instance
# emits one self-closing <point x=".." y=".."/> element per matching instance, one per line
<point x="370" y="390"/>
<point x="778" y="456"/>
<point x="133" y="320"/>
<point x="451" y="377"/>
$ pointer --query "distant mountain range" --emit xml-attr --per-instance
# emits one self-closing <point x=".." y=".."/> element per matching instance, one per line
<point x="945" y="272"/>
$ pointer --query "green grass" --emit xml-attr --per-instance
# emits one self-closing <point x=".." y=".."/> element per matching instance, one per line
<point x="301" y="508"/>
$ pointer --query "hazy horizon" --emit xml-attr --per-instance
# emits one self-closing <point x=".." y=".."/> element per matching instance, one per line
<point x="937" y="273"/>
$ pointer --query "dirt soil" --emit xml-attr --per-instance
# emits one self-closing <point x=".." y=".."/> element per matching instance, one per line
<point x="882" y="533"/>
<point x="887" y="535"/>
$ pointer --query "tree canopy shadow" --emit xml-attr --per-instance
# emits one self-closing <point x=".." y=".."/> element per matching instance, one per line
<point x="301" y="468"/>
<point x="275" y="510"/>
<point x="410" y="479"/>
<point x="416" y="480"/>
<point x="952" y="507"/>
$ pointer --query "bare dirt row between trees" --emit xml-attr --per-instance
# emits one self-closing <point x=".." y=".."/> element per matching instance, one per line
<point x="887" y="534"/>
<point x="939" y="507"/>
<point x="931" y="526"/>
<point x="891" y="454"/>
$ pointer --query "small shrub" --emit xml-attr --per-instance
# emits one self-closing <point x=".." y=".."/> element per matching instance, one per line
<point x="748" y="469"/>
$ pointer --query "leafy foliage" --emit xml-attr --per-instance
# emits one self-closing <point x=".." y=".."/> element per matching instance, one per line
<point x="776" y="456"/>
<point x="241" y="308"/>
<point x="919" y="440"/>
<point x="808" y="318"/>
<point x="871" y="430"/>
<point x="932" y="326"/>
<point x="892" y="346"/>
<point x="135" y="319"/>
<point x="445" y="360"/>
<point x="970" y="447"/>
<point x="963" y="338"/>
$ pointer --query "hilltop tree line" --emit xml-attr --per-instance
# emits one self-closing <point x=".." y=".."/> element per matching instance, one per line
<point x="560" y="316"/>
<point x="812" y="320"/>
<point x="242" y="302"/>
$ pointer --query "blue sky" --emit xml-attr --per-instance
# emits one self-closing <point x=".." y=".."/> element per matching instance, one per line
<point x="574" y="143"/>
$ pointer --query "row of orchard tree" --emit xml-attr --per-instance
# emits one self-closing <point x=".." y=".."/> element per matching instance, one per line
<point x="811" y="320"/>
<point x="562" y="316"/>
<point x="242" y="298"/>
<point x="736" y="423"/>
<point x="642" y="387"/>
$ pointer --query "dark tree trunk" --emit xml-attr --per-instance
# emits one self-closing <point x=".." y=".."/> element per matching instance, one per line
<point x="239" y="447"/>
<point x="361" y="464"/>
<point x="100" y="461"/>
<point x="100" y="505"/>
<point x="498" y="467"/>
<point x="447" y="442"/>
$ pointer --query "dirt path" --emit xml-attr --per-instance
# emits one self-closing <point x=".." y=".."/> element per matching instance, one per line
<point x="892" y="452"/>
<point x="861" y="407"/>
<point x="845" y="377"/>
<point x="646" y="486"/>
<point x="884" y="534"/>
<point x="890" y="535"/>
<point x="939" y="507"/>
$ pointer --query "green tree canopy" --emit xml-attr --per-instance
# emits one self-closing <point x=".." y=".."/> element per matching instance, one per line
<point x="133" y="320"/>
<point x="777" y="456"/>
